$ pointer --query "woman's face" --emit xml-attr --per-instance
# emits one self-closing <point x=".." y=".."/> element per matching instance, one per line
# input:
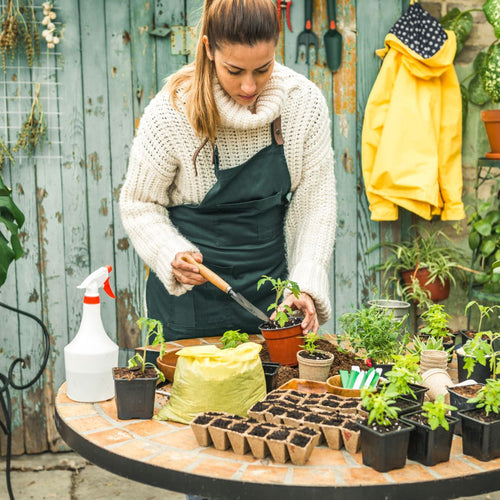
<point x="243" y="70"/>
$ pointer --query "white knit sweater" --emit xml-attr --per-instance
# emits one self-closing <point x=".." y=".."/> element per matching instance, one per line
<point x="161" y="174"/>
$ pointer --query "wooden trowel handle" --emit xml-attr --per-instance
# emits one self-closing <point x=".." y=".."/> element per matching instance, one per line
<point x="208" y="274"/>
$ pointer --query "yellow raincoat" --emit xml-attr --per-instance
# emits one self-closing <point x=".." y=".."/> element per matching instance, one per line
<point x="412" y="134"/>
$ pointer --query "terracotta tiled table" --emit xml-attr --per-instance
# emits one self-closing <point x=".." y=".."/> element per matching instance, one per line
<point x="166" y="454"/>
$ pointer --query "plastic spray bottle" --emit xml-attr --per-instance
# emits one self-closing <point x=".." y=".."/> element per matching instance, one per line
<point x="91" y="355"/>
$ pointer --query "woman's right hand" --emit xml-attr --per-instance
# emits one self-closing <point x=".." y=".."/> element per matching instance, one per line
<point x="185" y="273"/>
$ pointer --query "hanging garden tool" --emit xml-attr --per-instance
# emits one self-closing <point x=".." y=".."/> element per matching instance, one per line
<point x="307" y="37"/>
<point x="282" y="4"/>
<point x="332" y="39"/>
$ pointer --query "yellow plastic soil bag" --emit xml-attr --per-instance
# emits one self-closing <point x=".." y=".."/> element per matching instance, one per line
<point x="211" y="379"/>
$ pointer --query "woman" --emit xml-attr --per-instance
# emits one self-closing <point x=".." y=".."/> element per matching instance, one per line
<point x="232" y="164"/>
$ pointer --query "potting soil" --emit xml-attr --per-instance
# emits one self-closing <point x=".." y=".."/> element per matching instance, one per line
<point x="468" y="391"/>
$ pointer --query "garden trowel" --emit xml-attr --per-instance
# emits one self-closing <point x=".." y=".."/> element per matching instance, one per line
<point x="332" y="39"/>
<point x="216" y="280"/>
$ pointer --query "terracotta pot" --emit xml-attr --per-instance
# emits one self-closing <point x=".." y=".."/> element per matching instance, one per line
<point x="314" y="369"/>
<point x="167" y="363"/>
<point x="437" y="290"/>
<point x="335" y="386"/>
<point x="284" y="343"/>
<point x="491" y="119"/>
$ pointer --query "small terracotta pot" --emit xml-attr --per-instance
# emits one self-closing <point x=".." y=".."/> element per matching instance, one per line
<point x="335" y="386"/>
<point x="437" y="381"/>
<point x="437" y="290"/>
<point x="314" y="369"/>
<point x="491" y="119"/>
<point x="283" y="343"/>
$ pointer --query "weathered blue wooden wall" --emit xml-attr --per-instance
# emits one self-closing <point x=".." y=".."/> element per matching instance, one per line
<point x="95" y="87"/>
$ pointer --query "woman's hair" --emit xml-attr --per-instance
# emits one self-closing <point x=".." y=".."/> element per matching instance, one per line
<point x="245" y="22"/>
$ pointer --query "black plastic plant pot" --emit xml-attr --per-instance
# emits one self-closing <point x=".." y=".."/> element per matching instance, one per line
<point x="135" y="398"/>
<point x="271" y="373"/>
<point x="407" y="405"/>
<point x="384" y="451"/>
<point x="427" y="446"/>
<point x="480" y="440"/>
<point x="386" y="367"/>
<point x="461" y="404"/>
<point x="419" y="391"/>
<point x="480" y="373"/>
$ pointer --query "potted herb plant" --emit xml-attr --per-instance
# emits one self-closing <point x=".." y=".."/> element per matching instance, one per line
<point x="384" y="438"/>
<point x="373" y="333"/>
<point x="481" y="425"/>
<point x="484" y="313"/>
<point x="283" y="334"/>
<point x="436" y="325"/>
<point x="430" y="440"/>
<point x="314" y="364"/>
<point x="421" y="269"/>
<point x="135" y="385"/>
<point x="404" y="377"/>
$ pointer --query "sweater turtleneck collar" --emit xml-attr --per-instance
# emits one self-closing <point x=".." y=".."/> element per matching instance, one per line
<point x="268" y="105"/>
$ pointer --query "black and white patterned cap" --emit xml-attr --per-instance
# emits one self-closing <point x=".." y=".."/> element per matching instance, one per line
<point x="419" y="31"/>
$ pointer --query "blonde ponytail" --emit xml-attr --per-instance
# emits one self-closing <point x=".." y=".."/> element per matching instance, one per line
<point x="244" y="22"/>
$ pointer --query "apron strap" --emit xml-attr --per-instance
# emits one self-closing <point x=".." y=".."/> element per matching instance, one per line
<point x="278" y="136"/>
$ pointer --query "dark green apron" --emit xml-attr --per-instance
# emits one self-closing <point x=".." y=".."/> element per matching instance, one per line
<point x="238" y="228"/>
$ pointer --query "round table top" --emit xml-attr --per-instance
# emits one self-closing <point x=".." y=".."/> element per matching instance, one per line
<point x="166" y="454"/>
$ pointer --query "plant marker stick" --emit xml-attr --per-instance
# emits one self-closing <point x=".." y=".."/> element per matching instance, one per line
<point x="352" y="378"/>
<point x="359" y="380"/>
<point x="344" y="377"/>
<point x="378" y="372"/>
<point x="369" y="377"/>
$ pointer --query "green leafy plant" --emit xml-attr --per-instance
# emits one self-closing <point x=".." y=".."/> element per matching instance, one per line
<point x="488" y="397"/>
<point x="484" y="311"/>
<point x="484" y="84"/>
<point x="233" y="338"/>
<point x="279" y="286"/>
<point x="380" y="404"/>
<point x="154" y="329"/>
<point x="431" y="250"/>
<point x="372" y="332"/>
<point x="480" y="349"/>
<point x="311" y="340"/>
<point x="419" y="345"/>
<point x="435" y="412"/>
<point x="436" y="322"/>
<point x="405" y="371"/>
<point x="12" y="219"/>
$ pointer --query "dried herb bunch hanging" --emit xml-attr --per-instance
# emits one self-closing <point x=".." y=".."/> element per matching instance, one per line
<point x="19" y="29"/>
<point x="34" y="129"/>
<point x="4" y="154"/>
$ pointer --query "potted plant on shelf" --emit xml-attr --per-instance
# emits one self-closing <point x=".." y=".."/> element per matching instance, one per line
<point x="484" y="84"/>
<point x="135" y="385"/>
<point x="283" y="334"/>
<point x="421" y="269"/>
<point x="481" y="425"/>
<point x="430" y="440"/>
<point x="372" y="333"/>
<point x="314" y="364"/>
<point x="384" y="438"/>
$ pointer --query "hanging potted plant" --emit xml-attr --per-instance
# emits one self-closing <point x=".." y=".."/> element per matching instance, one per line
<point x="372" y="333"/>
<point x="135" y="385"/>
<point x="481" y="425"/>
<point x="430" y="440"/>
<point x="283" y="334"/>
<point x="314" y="364"/>
<point x="384" y="438"/>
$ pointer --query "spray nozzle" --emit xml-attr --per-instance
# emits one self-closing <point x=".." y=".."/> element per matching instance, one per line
<point x="98" y="279"/>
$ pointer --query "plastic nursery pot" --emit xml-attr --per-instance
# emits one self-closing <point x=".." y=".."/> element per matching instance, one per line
<point x="437" y="291"/>
<point x="314" y="369"/>
<point x="335" y="387"/>
<point x="460" y="402"/>
<point x="480" y="440"/>
<point x="271" y="373"/>
<point x="135" y="398"/>
<point x="419" y="391"/>
<point x="491" y="119"/>
<point x="406" y="405"/>
<point x="480" y="373"/>
<point x="385" y="367"/>
<point x="427" y="446"/>
<point x="284" y="343"/>
<point x="437" y="381"/>
<point x="384" y="451"/>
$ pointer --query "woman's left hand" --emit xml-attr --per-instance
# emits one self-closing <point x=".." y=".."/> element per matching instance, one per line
<point x="305" y="304"/>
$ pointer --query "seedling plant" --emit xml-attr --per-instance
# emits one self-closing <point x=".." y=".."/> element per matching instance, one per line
<point x="404" y="372"/>
<point x="435" y="412"/>
<point x="484" y="311"/>
<point x="233" y="338"/>
<point x="436" y="322"/>
<point x="279" y="286"/>
<point x="480" y="349"/>
<point x="380" y="404"/>
<point x="488" y="398"/>
<point x="154" y="329"/>
<point x="311" y="340"/>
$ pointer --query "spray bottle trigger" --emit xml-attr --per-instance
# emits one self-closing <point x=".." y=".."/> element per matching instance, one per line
<point x="107" y="289"/>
